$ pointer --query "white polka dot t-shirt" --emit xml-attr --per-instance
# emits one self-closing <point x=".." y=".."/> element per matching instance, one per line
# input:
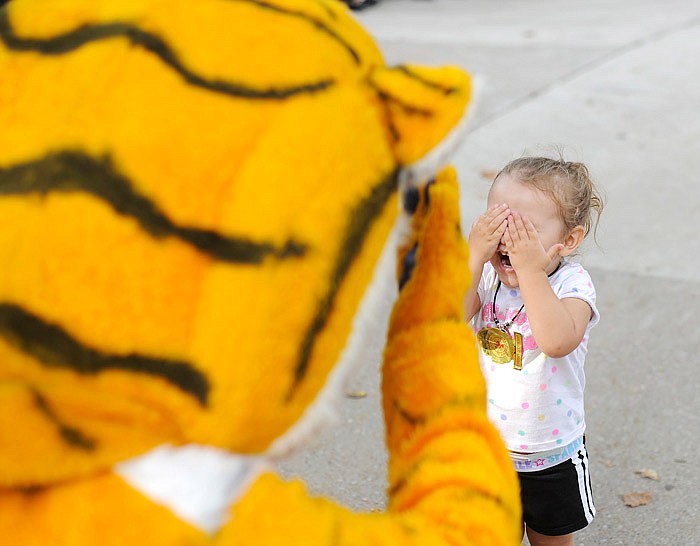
<point x="540" y="407"/>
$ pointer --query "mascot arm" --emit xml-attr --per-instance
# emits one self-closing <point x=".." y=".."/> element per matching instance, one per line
<point x="451" y="481"/>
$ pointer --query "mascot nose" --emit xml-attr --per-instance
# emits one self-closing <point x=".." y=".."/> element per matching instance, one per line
<point x="411" y="199"/>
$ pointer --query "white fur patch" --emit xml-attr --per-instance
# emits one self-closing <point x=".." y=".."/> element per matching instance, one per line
<point x="198" y="483"/>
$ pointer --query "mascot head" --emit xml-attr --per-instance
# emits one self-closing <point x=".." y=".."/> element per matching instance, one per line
<point x="193" y="200"/>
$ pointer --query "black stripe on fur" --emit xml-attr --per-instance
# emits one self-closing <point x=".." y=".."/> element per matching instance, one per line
<point x="360" y="221"/>
<point x="53" y="347"/>
<point x="83" y="35"/>
<point x="70" y="171"/>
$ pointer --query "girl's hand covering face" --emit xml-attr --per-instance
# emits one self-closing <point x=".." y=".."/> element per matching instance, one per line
<point x="524" y="246"/>
<point x="487" y="232"/>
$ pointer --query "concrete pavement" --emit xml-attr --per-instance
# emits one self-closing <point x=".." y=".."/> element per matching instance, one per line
<point x="617" y="86"/>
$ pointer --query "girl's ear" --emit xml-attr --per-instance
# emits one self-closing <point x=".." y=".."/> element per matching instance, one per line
<point x="573" y="240"/>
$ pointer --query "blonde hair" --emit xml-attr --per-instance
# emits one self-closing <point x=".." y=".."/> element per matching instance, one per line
<point x="568" y="184"/>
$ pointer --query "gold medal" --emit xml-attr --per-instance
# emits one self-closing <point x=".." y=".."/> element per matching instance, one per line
<point x="497" y="344"/>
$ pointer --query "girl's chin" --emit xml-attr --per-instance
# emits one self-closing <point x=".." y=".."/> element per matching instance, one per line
<point x="508" y="277"/>
<point x="510" y="283"/>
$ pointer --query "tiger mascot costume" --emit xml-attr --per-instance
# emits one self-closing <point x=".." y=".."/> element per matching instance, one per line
<point x="194" y="200"/>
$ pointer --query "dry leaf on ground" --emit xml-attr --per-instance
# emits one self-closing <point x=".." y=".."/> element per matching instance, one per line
<point x="356" y="394"/>
<point x="637" y="499"/>
<point x="648" y="473"/>
<point x="489" y="174"/>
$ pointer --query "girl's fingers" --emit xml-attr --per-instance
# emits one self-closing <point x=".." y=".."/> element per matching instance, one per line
<point x="513" y="226"/>
<point x="496" y="216"/>
<point x="508" y="239"/>
<point x="555" y="250"/>
<point x="522" y="227"/>
<point x="490" y="223"/>
<point x="530" y="228"/>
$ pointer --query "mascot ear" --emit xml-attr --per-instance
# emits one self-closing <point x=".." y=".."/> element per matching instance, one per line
<point x="423" y="105"/>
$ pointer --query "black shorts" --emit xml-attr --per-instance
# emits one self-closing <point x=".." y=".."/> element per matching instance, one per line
<point x="558" y="500"/>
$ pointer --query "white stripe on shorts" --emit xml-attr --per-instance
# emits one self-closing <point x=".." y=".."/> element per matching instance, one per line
<point x="580" y="461"/>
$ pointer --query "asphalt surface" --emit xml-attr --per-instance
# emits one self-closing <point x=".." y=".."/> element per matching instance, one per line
<point x="617" y="86"/>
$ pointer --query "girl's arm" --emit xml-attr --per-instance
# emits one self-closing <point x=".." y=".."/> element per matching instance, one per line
<point x="557" y="325"/>
<point x="472" y="301"/>
<point x="484" y="238"/>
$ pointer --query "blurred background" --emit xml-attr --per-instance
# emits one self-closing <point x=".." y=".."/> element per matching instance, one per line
<point x="615" y="85"/>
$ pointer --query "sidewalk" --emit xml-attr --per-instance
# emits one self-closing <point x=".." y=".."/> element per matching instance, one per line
<point x="617" y="87"/>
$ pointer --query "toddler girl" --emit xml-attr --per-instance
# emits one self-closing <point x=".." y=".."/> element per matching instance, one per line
<point x="533" y="309"/>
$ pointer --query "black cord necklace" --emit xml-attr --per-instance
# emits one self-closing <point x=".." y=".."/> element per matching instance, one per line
<point x="505" y="326"/>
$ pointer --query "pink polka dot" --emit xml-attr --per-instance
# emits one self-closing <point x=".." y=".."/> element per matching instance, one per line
<point x="543" y="387"/>
<point x="554" y="369"/>
<point x="493" y="368"/>
<point x="525" y="405"/>
<point x="555" y="432"/>
<point x="523" y="446"/>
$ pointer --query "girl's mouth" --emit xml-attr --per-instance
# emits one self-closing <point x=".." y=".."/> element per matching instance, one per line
<point x="505" y="260"/>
